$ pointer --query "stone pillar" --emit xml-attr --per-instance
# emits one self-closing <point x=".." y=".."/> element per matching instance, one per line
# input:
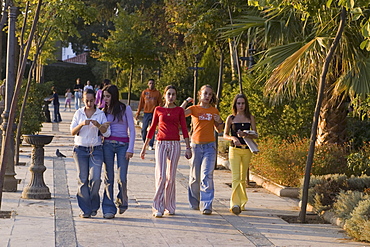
<point x="37" y="188"/>
<point x="10" y="183"/>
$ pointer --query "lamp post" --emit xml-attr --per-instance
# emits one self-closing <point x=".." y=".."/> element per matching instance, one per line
<point x="195" y="68"/>
<point x="10" y="183"/>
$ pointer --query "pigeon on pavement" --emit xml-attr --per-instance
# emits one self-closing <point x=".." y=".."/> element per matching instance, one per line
<point x="59" y="154"/>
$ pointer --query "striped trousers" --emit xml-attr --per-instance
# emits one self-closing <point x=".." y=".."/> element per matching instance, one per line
<point x="167" y="154"/>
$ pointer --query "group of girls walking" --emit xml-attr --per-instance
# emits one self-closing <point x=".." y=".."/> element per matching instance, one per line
<point x="101" y="136"/>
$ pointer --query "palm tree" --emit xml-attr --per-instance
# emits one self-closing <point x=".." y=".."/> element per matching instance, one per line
<point x="296" y="61"/>
<point x="294" y="40"/>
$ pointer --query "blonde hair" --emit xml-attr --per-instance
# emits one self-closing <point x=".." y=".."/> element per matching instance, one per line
<point x="213" y="100"/>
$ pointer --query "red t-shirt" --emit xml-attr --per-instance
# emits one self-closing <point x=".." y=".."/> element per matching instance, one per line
<point x="168" y="120"/>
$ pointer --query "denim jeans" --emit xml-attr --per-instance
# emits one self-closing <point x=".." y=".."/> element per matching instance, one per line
<point x="78" y="96"/>
<point x="201" y="188"/>
<point x="57" y="117"/>
<point x="147" y="120"/>
<point x="110" y="151"/>
<point x="89" y="162"/>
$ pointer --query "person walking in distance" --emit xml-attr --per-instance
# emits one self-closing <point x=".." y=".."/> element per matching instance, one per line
<point x="238" y="126"/>
<point x="78" y="88"/>
<point x="205" y="119"/>
<point x="149" y="99"/>
<point x="119" y="144"/>
<point x="167" y="153"/>
<point x="68" y="95"/>
<point x="99" y="99"/>
<point x="55" y="99"/>
<point x="88" y="86"/>
<point x="87" y="126"/>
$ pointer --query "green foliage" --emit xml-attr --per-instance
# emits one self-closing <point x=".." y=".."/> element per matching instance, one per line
<point x="324" y="190"/>
<point x="330" y="159"/>
<point x="346" y="202"/>
<point x="287" y="119"/>
<point x="176" y="72"/>
<point x="210" y="73"/>
<point x="359" y="224"/>
<point x="33" y="115"/>
<point x="65" y="77"/>
<point x="358" y="164"/>
<point x="358" y="132"/>
<point x="280" y="160"/>
<point x="284" y="160"/>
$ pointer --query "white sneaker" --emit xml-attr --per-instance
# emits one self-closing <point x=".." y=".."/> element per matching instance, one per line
<point x="151" y="148"/>
<point x="157" y="215"/>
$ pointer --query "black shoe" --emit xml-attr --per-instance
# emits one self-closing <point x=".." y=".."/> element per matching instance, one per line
<point x="121" y="210"/>
<point x="207" y="211"/>
<point x="236" y="210"/>
<point x="85" y="215"/>
<point x="109" y="216"/>
<point x="94" y="213"/>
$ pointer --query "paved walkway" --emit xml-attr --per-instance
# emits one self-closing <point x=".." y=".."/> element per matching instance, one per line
<point x="55" y="222"/>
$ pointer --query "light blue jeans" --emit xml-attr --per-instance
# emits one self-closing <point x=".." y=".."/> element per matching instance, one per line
<point x="89" y="162"/>
<point x="78" y="96"/>
<point x="201" y="188"/>
<point x="112" y="150"/>
<point x="147" y="120"/>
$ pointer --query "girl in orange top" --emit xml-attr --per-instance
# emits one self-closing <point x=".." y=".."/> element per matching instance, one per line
<point x="205" y="118"/>
<point x="167" y="153"/>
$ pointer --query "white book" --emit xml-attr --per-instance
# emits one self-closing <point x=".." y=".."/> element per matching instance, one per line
<point x="251" y="143"/>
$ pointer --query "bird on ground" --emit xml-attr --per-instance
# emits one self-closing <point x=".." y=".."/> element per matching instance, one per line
<point x="59" y="154"/>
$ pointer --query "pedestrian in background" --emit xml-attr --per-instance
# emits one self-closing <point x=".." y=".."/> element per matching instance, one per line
<point x="167" y="153"/>
<point x="78" y="88"/>
<point x="119" y="144"/>
<point x="55" y="99"/>
<point x="68" y="95"/>
<point x="149" y="99"/>
<point x="99" y="100"/>
<point x="237" y="126"/>
<point x="205" y="119"/>
<point x="88" y="86"/>
<point x="87" y="126"/>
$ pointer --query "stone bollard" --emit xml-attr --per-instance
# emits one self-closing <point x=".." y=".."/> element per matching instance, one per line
<point x="37" y="189"/>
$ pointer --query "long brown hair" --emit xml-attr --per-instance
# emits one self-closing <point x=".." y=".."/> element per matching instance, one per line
<point x="116" y="107"/>
<point x="247" y="113"/>
<point x="213" y="100"/>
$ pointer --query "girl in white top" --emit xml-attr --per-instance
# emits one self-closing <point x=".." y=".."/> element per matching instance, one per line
<point x="88" y="124"/>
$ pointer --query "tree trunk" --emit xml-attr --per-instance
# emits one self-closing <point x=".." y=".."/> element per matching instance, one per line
<point x="130" y="83"/>
<point x="332" y="122"/>
<point x="320" y="97"/>
<point x="11" y="118"/>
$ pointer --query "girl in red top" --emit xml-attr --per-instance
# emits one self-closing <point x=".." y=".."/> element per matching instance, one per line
<point x="167" y="153"/>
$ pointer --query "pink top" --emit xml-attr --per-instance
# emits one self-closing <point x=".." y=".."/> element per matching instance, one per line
<point x="168" y="120"/>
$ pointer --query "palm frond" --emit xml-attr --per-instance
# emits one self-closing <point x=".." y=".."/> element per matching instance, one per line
<point x="278" y="84"/>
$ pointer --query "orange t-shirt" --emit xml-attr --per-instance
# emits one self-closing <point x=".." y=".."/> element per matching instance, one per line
<point x="203" y="123"/>
<point x="149" y="99"/>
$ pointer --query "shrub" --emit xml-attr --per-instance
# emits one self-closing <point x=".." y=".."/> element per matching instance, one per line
<point x="281" y="161"/>
<point x="359" y="224"/>
<point x="346" y="202"/>
<point x="284" y="161"/>
<point x="358" y="183"/>
<point x="322" y="193"/>
<point x="33" y="114"/>
<point x="330" y="159"/>
<point x="324" y="190"/>
<point x="359" y="163"/>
